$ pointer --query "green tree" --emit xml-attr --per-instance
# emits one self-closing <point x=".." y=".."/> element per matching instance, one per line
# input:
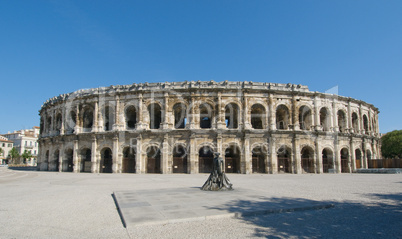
<point x="391" y="144"/>
<point x="13" y="154"/>
<point x="1" y="151"/>
<point x="26" y="155"/>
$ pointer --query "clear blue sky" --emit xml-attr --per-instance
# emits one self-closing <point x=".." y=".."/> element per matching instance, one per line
<point x="49" y="48"/>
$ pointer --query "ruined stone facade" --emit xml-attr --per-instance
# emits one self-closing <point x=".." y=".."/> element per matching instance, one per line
<point x="176" y="127"/>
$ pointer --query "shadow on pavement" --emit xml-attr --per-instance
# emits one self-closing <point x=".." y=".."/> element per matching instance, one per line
<point x="23" y="168"/>
<point x="379" y="219"/>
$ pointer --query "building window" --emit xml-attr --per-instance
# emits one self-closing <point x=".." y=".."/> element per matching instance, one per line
<point x="26" y="143"/>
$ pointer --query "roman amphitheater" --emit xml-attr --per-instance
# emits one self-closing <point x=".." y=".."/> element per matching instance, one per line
<point x="175" y="127"/>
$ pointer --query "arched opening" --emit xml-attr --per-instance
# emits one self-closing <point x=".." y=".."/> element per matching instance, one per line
<point x="358" y="157"/>
<point x="58" y="123"/>
<point x="232" y="159"/>
<point x="179" y="159"/>
<point x="68" y="162"/>
<point x="108" y="118"/>
<point x="284" y="156"/>
<point x="41" y="125"/>
<point x="49" y="124"/>
<point x="106" y="161"/>
<point x="305" y="118"/>
<point x="56" y="157"/>
<point x="257" y="116"/>
<point x="365" y="124"/>
<point x="86" y="163"/>
<point x="206" y="114"/>
<point x="355" y="123"/>
<point x="131" y="117"/>
<point x="327" y="160"/>
<point x="87" y="119"/>
<point x="205" y="159"/>
<point x="341" y="121"/>
<point x="258" y="160"/>
<point x="155" y="116"/>
<point x="129" y="160"/>
<point x="282" y="117"/>
<point x="307" y="160"/>
<point x="153" y="160"/>
<point x="46" y="160"/>
<point x="344" y="160"/>
<point x="232" y="116"/>
<point x="180" y="115"/>
<point x="368" y="154"/>
<point x="72" y="121"/>
<point x="325" y="119"/>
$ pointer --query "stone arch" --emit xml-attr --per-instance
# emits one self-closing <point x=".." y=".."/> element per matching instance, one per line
<point x="307" y="159"/>
<point x="59" y="120"/>
<point x="87" y="118"/>
<point x="71" y="121"/>
<point x="155" y="115"/>
<point x="305" y="117"/>
<point x="232" y="113"/>
<point x="232" y="159"/>
<point x="68" y="162"/>
<point x="282" y="117"/>
<point x="86" y="163"/>
<point x="284" y="155"/>
<point x="344" y="154"/>
<point x="129" y="160"/>
<point x="49" y="124"/>
<point x="325" y="117"/>
<point x="56" y="157"/>
<point x="206" y="115"/>
<point x="368" y="154"/>
<point x="179" y="159"/>
<point x="358" y="158"/>
<point x="153" y="159"/>
<point x="108" y="117"/>
<point x="327" y="159"/>
<point x="258" y="116"/>
<point x="205" y="159"/>
<point x="180" y="115"/>
<point x="131" y="117"/>
<point x="106" y="163"/>
<point x="259" y="158"/>
<point x="355" y="122"/>
<point x="46" y="163"/>
<point x="341" y="121"/>
<point x="365" y="124"/>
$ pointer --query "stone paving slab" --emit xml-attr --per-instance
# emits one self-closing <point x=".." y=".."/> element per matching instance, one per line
<point x="139" y="207"/>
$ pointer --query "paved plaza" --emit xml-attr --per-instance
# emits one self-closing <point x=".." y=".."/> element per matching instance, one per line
<point x="69" y="205"/>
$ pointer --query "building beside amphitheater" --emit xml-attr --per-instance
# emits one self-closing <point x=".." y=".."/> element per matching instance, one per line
<point x="175" y="127"/>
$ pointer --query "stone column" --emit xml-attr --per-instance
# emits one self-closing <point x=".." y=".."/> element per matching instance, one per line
<point x="246" y="113"/>
<point x="273" y="156"/>
<point x="335" y="125"/>
<point x="94" y="162"/>
<point x="95" y="127"/>
<point x="63" y="119"/>
<point x="296" y="162"/>
<point x="317" y="122"/>
<point x="166" y="115"/>
<point x="220" y="124"/>
<point x="117" y="117"/>
<point x="247" y="164"/>
<point x="193" y="164"/>
<point x="165" y="167"/>
<point x="349" y="123"/>
<point x="295" y="118"/>
<point x="337" y="160"/>
<point x="318" y="161"/>
<point x="115" y="153"/>
<point x="76" y="167"/>
<point x="272" y="113"/>
<point x="140" y="114"/>
<point x="77" y="127"/>
<point x="361" y="124"/>
<point x="191" y="123"/>
<point x="61" y="155"/>
<point x="352" y="155"/>
<point x="139" y="160"/>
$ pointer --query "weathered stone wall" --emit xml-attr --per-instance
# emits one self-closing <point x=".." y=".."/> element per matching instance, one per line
<point x="174" y="127"/>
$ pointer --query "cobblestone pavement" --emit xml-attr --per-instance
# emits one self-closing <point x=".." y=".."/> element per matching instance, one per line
<point x="67" y="205"/>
